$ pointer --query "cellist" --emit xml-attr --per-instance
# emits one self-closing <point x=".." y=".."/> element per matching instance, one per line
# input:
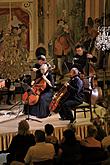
<point x="74" y="96"/>
<point x="41" y="108"/>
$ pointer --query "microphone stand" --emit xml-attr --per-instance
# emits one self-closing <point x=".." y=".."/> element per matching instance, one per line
<point x="27" y="105"/>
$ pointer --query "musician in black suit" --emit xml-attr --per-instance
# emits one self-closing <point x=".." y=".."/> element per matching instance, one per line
<point x="82" y="59"/>
<point x="73" y="97"/>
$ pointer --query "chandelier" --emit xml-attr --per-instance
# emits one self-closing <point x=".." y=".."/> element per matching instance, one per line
<point x="103" y="39"/>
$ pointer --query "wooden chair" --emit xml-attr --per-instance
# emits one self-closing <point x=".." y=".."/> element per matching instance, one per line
<point x="86" y="105"/>
<point x="46" y="162"/>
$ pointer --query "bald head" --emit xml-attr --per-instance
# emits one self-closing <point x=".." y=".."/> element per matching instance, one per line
<point x="74" y="72"/>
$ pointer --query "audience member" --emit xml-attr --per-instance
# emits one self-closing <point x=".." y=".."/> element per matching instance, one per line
<point x="92" y="150"/>
<point x="90" y="140"/>
<point x="50" y="137"/>
<point x="69" y="150"/>
<point x="106" y="139"/>
<point x="20" y="143"/>
<point x="73" y="127"/>
<point x="101" y="133"/>
<point x="41" y="151"/>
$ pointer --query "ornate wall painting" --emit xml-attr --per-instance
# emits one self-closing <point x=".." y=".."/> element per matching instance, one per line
<point x="14" y="42"/>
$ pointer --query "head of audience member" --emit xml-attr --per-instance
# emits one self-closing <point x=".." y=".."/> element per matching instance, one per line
<point x="79" y="49"/>
<point x="91" y="131"/>
<point x="69" y="136"/>
<point x="72" y="127"/>
<point x="97" y="121"/>
<point x="39" y="136"/>
<point x="49" y="129"/>
<point x="41" y="59"/>
<point x="74" y="72"/>
<point x="23" y="128"/>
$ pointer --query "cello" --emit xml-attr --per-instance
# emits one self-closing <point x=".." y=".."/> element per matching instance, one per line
<point x="32" y="94"/>
<point x="56" y="98"/>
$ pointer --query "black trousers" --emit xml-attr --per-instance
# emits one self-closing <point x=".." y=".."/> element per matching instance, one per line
<point x="66" y="107"/>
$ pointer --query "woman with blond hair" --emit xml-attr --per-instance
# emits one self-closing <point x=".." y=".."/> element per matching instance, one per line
<point x="20" y="143"/>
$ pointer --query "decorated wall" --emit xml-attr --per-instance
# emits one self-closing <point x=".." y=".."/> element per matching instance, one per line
<point x="29" y="24"/>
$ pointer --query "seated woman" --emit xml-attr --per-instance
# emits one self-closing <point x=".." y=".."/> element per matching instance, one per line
<point x="20" y="143"/>
<point x="43" y="88"/>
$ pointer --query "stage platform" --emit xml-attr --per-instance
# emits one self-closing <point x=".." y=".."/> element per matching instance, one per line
<point x="11" y="116"/>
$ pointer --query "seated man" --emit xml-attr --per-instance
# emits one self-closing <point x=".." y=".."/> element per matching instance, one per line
<point x="73" y="97"/>
<point x="41" y="151"/>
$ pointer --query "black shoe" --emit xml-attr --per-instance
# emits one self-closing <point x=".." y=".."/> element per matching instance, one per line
<point x="50" y="114"/>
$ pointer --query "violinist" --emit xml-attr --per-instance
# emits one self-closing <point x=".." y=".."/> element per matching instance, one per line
<point x="73" y="97"/>
<point x="45" y="92"/>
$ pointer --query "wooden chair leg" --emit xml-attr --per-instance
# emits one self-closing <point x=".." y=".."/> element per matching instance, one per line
<point x="84" y="112"/>
<point x="91" y="114"/>
<point x="75" y="113"/>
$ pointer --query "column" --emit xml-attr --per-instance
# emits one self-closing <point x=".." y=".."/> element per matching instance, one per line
<point x="97" y="9"/>
<point x="87" y="10"/>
